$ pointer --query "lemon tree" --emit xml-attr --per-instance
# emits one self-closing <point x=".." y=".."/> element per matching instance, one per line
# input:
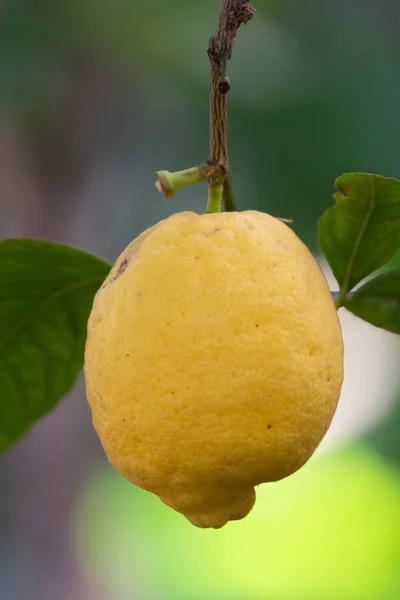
<point x="251" y="357"/>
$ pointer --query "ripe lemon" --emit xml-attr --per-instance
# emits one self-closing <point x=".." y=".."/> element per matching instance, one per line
<point x="214" y="361"/>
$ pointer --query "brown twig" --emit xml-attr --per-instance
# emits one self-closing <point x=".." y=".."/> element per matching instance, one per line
<point x="233" y="14"/>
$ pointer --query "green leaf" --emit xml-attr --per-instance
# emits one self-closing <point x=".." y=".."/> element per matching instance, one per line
<point x="378" y="301"/>
<point x="46" y="294"/>
<point x="361" y="232"/>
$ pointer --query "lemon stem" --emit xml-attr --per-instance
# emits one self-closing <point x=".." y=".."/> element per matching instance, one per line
<point x="215" y="191"/>
<point x="233" y="13"/>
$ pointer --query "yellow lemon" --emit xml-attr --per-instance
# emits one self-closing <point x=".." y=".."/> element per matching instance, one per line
<point x="214" y="361"/>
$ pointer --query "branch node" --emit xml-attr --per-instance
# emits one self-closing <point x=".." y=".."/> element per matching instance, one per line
<point x="224" y="84"/>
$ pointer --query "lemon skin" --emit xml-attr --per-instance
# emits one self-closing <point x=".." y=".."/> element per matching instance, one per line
<point x="214" y="361"/>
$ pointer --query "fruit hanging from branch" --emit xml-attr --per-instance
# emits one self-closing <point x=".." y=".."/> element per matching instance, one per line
<point x="214" y="358"/>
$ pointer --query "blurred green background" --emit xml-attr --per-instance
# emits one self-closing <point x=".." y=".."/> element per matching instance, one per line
<point x="96" y="95"/>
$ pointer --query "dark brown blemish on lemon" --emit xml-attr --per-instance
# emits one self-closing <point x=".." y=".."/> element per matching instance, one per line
<point x="269" y="426"/>
<point x="121" y="268"/>
<point x="119" y="272"/>
<point x="130" y="254"/>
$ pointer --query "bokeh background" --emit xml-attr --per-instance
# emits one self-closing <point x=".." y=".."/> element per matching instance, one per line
<point x="96" y="95"/>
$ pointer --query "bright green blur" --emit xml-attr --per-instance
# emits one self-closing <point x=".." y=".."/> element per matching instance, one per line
<point x="329" y="532"/>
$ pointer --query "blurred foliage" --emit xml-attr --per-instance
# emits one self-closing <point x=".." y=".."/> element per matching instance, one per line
<point x="328" y="532"/>
<point x="385" y="438"/>
<point x="312" y="96"/>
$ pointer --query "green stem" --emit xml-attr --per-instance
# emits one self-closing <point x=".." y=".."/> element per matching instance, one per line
<point x="214" y="202"/>
<point x="167" y="183"/>
<point x="341" y="298"/>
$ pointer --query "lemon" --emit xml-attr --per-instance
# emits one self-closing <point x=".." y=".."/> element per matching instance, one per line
<point x="214" y="361"/>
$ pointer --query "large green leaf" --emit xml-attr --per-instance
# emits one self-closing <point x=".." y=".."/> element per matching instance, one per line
<point x="46" y="293"/>
<point x="378" y="301"/>
<point x="361" y="232"/>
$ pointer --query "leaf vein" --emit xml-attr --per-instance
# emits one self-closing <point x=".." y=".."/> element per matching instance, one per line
<point x="357" y="243"/>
